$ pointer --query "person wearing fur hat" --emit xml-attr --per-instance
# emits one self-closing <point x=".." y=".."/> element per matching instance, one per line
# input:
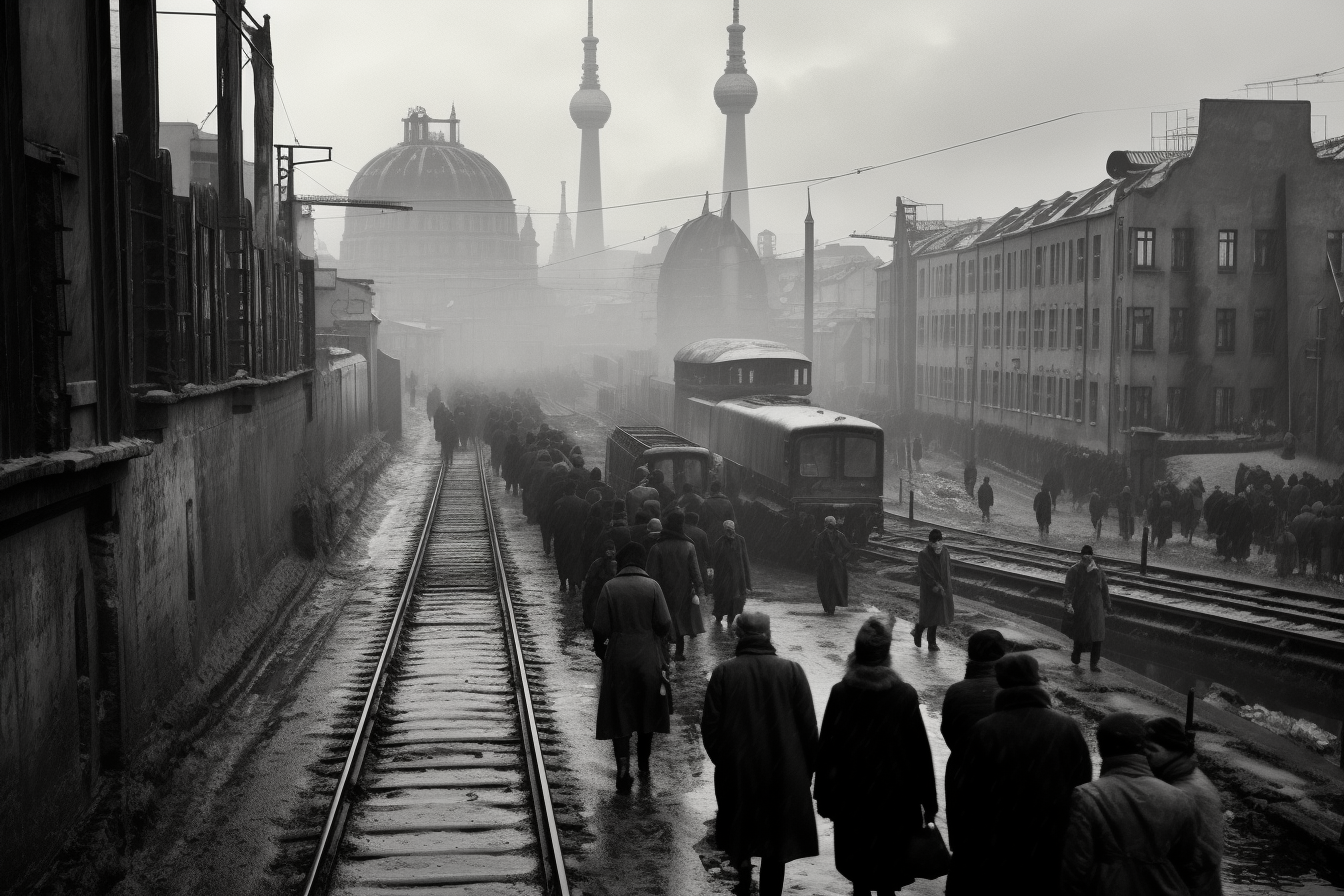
<point x="1129" y="833"/>
<point x="935" y="590"/>
<point x="762" y="772"/>
<point x="630" y="628"/>
<point x="673" y="564"/>
<point x="1011" y="793"/>
<point x="1171" y="755"/>
<point x="832" y="550"/>
<point x="875" y="776"/>
<point x="1088" y="599"/>
<point x="732" y="574"/>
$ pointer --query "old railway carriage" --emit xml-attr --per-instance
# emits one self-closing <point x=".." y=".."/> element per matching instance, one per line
<point x="787" y="464"/>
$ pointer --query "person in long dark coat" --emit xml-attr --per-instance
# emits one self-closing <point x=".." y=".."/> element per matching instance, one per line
<point x="935" y="590"/>
<point x="1018" y="769"/>
<point x="445" y="432"/>
<point x="875" y="775"/>
<point x="700" y="541"/>
<point x="1043" y="505"/>
<point x="498" y="439"/>
<point x="433" y="401"/>
<point x="512" y="451"/>
<point x="965" y="703"/>
<point x="1096" y="508"/>
<point x="732" y="574"/>
<point x="832" y="550"/>
<point x="968" y="477"/>
<point x="1171" y="756"/>
<point x="551" y="485"/>
<point x="630" y="626"/>
<point x="762" y="771"/>
<point x="569" y="518"/>
<point x="917" y="451"/>
<point x="1129" y="833"/>
<point x="1124" y="509"/>
<point x="1087" y="596"/>
<point x="672" y="562"/>
<point x="715" y="510"/>
<point x="602" y="570"/>
<point x="985" y="498"/>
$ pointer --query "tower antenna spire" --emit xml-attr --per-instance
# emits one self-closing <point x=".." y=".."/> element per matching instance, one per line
<point x="735" y="94"/>
<point x="590" y="109"/>
<point x="590" y="17"/>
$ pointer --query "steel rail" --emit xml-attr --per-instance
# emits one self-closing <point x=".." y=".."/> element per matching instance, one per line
<point x="330" y="836"/>
<point x="548" y="834"/>
<point x="891" y="552"/>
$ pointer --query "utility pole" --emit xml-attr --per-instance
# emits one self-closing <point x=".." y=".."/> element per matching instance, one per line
<point x="1317" y="353"/>
<point x="228" y="63"/>
<point x="807" y="287"/>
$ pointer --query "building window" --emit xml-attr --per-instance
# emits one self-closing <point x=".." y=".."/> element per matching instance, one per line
<point x="919" y="331"/>
<point x="1009" y="270"/>
<point x="1066" y="328"/>
<point x="1021" y="329"/>
<point x="1078" y="330"/>
<point x="1182" y="243"/>
<point x="1054" y="328"/>
<point x="1262" y="331"/>
<point x="1145" y="245"/>
<point x="998" y="272"/>
<point x="1225" y="330"/>
<point x="1038" y="328"/>
<point x="1222" y="408"/>
<point x="1040" y="265"/>
<point x="1262" y="404"/>
<point x="1266" y="250"/>
<point x="1334" y="251"/>
<point x="985" y="329"/>
<point x="1141" y="406"/>
<point x="1096" y="330"/>
<point x="1054" y="263"/>
<point x="1080" y="263"/>
<point x="1035" y="393"/>
<point x="1096" y="257"/>
<point x="1092" y="403"/>
<point x="1141" y="326"/>
<point x="1175" y="408"/>
<point x="1227" y="250"/>
<point x="998" y="328"/>
<point x="921" y="292"/>
<point x="1050" y="396"/>
<point x="1179" y="338"/>
<point x="971" y="280"/>
<point x="1078" y="398"/>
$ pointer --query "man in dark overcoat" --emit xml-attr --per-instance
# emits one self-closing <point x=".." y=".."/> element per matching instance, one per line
<point x="732" y="574"/>
<point x="1124" y="509"/>
<point x="1018" y="769"/>
<point x="716" y="509"/>
<point x="1043" y="505"/>
<point x="569" y="518"/>
<point x="985" y="498"/>
<point x="935" y="590"/>
<point x="445" y="431"/>
<point x="630" y="627"/>
<point x="832" y="550"/>
<point x="1096" y="508"/>
<point x="433" y="401"/>
<point x="551" y="484"/>
<point x="968" y="477"/>
<point x="673" y="564"/>
<point x="762" y="772"/>
<point x="966" y="703"/>
<point x="700" y="541"/>
<point x="1088" y="600"/>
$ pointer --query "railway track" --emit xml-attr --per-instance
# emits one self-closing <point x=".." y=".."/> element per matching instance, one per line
<point x="444" y="783"/>
<point x="1265" y="610"/>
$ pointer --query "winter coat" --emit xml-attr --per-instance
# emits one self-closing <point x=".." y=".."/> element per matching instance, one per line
<point x="444" y="430"/>
<point x="760" y="731"/>
<point x="1183" y="774"/>
<point x="1042" y="507"/>
<point x="599" y="491"/>
<point x="630" y="626"/>
<point x="714" y="512"/>
<point x="1012" y="791"/>
<point x="935" y="587"/>
<point x="965" y="703"/>
<point x="635" y="498"/>
<point x="1096" y="507"/>
<point x="1130" y="834"/>
<point x="917" y="448"/>
<point x="600" y="572"/>
<point x="875" y="775"/>
<point x="732" y="575"/>
<point x="702" y="550"/>
<point x="1086" y="591"/>
<point x="673" y="564"/>
<point x="832" y="549"/>
<point x="985" y="496"/>
<point x="568" y="517"/>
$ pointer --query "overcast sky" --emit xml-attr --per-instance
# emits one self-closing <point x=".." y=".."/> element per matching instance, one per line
<point x="842" y="85"/>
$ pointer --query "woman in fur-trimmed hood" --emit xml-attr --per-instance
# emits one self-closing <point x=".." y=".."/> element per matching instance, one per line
<point x="874" y="769"/>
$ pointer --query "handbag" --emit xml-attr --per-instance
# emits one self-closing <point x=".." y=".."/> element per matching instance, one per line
<point x="926" y="855"/>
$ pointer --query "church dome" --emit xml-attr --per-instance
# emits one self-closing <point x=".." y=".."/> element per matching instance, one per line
<point x="426" y="165"/>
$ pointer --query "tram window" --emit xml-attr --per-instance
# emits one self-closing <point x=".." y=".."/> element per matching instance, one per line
<point x="860" y="458"/>
<point x="816" y="456"/>
<point x="797" y="375"/>
<point x="682" y="469"/>
<point x="806" y="375"/>
<point x="751" y="375"/>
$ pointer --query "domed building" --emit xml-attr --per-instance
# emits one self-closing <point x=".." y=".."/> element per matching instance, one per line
<point x="459" y="259"/>
<point x="711" y="284"/>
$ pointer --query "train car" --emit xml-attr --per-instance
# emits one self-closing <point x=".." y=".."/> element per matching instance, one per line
<point x="680" y="459"/>
<point x="789" y="465"/>
<point x="723" y="368"/>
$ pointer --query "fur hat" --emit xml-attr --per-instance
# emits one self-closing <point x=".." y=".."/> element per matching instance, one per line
<point x="986" y="646"/>
<point x="1120" y="733"/>
<point x="631" y="554"/>
<point x="1171" y="734"/>
<point x="675" y="522"/>
<point x="936" y="535"/>
<point x="1017" y="670"/>
<point x="872" y="645"/>
<point x="595" y="474"/>
<point x="753" y="622"/>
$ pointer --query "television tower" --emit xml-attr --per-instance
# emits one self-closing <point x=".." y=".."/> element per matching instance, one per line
<point x="590" y="110"/>
<point x="735" y="94"/>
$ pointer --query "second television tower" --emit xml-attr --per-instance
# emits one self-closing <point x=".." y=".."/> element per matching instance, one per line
<point x="590" y="110"/>
<point x="735" y="94"/>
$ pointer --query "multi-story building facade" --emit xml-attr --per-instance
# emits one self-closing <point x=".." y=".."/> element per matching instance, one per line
<point x="1179" y="294"/>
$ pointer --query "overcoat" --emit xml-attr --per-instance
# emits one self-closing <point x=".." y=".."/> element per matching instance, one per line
<point x="716" y="509"/>
<point x="1042" y="506"/>
<point x="965" y="703"/>
<point x="732" y="575"/>
<point x="672" y="563"/>
<point x="935" y="573"/>
<point x="760" y="731"/>
<point x="985" y="496"/>
<point x="635" y="498"/>
<point x="568" y="516"/>
<point x="1183" y="774"/>
<point x="1130" y="834"/>
<point x="630" y="626"/>
<point x="1012" y="791"/>
<point x="875" y="775"/>
<point x="600" y="572"/>
<point x="703" y="555"/>
<point x="832" y="549"/>
<point x="1086" y="591"/>
<point x="1096" y="507"/>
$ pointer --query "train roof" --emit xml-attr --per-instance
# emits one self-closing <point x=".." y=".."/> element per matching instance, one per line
<point x="657" y="437"/>
<point x="718" y="350"/>
<point x="791" y="415"/>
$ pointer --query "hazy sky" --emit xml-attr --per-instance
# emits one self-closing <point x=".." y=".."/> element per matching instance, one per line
<point x="842" y="85"/>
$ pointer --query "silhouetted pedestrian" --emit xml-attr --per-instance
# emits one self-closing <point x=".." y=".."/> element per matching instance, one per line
<point x="985" y="498"/>
<point x="1088" y="599"/>
<point x="1043" y="505"/>
<point x="672" y="562"/>
<point x="832" y="550"/>
<point x="935" y="590"/>
<point x="1171" y="755"/>
<point x="732" y="574"/>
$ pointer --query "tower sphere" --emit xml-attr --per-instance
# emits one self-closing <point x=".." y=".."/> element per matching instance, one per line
<point x="590" y="107"/>
<point x="735" y="92"/>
